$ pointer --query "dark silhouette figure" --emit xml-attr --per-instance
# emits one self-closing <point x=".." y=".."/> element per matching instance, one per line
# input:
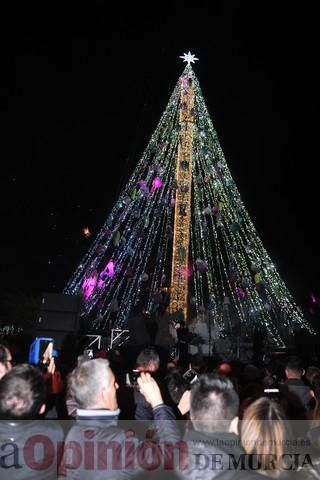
<point x="151" y="327"/>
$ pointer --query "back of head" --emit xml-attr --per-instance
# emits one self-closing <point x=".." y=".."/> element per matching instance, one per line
<point x="176" y="385"/>
<point x="214" y="403"/>
<point x="22" y="393"/>
<point x="87" y="379"/>
<point x="274" y="372"/>
<point x="295" y="366"/>
<point x="264" y="432"/>
<point x="148" y="360"/>
<point x="312" y="374"/>
<point x="198" y="363"/>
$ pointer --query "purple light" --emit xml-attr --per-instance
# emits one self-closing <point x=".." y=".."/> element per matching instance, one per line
<point x="186" y="272"/>
<point x="190" y="270"/>
<point x="185" y="81"/>
<point x="101" y="284"/>
<point x="313" y="299"/>
<point x="108" y="270"/>
<point x="240" y="292"/>
<point x="89" y="285"/>
<point x="143" y="186"/>
<point x="202" y="266"/>
<point x="157" y="182"/>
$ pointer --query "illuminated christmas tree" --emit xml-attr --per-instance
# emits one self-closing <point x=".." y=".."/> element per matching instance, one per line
<point x="180" y="237"/>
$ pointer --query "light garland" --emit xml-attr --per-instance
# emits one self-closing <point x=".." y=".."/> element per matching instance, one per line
<point x="181" y="217"/>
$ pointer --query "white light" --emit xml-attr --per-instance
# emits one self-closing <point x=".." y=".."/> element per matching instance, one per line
<point x="189" y="57"/>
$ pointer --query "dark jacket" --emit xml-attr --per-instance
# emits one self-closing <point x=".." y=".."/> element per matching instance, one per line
<point x="29" y="449"/>
<point x="102" y="449"/>
<point x="219" y="456"/>
<point x="300" y="392"/>
<point x="143" y="409"/>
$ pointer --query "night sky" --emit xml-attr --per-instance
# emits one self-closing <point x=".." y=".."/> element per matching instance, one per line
<point x="82" y="89"/>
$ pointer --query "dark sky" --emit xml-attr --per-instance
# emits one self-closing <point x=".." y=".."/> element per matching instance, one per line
<point x="82" y="89"/>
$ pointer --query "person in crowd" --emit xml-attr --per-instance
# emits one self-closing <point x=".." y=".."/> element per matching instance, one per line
<point x="250" y="385"/>
<point x="22" y="402"/>
<point x="200" y="343"/>
<point x="198" y="363"/>
<point x="138" y="325"/>
<point x="300" y="392"/>
<point x="5" y="360"/>
<point x="312" y="374"/>
<point x="148" y="360"/>
<point x="213" y="445"/>
<point x="71" y="403"/>
<point x="274" y="373"/>
<point x="22" y="393"/>
<point x="94" y="387"/>
<point x="176" y="386"/>
<point x="152" y="326"/>
<point x="55" y="399"/>
<point x="183" y="335"/>
<point x="314" y="432"/>
<point x="166" y="335"/>
<point x="265" y="434"/>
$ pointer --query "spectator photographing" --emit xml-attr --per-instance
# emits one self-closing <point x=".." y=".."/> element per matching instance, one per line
<point x="147" y="361"/>
<point x="94" y="387"/>
<point x="213" y="446"/>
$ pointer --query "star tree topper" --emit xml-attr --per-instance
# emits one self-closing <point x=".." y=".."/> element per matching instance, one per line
<point x="189" y="57"/>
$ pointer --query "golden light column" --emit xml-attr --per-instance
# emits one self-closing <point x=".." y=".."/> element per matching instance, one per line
<point x="182" y="216"/>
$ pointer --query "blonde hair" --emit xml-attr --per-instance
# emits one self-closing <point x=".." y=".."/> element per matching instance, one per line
<point x="264" y="434"/>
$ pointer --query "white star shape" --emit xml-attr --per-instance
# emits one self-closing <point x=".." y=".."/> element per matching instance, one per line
<point x="189" y="57"/>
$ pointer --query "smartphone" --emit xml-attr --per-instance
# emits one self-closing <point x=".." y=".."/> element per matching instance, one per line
<point x="45" y="352"/>
<point x="89" y="353"/>
<point x="132" y="377"/>
<point x="41" y="351"/>
<point x="191" y="376"/>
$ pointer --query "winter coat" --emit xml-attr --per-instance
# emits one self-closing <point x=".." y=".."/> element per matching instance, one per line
<point x="300" y="392"/>
<point x="101" y="449"/>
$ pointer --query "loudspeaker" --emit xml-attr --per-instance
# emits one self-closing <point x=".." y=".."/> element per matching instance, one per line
<point x="59" y="318"/>
<point x="61" y="302"/>
<point x="58" y="321"/>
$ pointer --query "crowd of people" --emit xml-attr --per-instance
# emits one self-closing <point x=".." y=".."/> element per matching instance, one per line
<point x="112" y="416"/>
